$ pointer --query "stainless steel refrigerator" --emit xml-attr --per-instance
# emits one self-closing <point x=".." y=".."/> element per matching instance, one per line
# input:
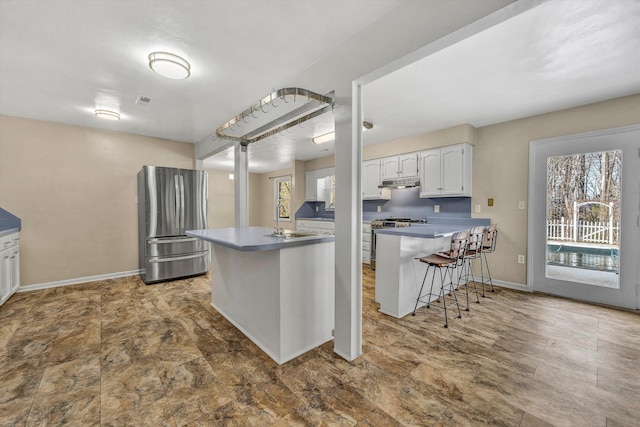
<point x="171" y="201"/>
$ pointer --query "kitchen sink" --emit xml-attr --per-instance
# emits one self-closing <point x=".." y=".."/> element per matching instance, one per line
<point x="292" y="234"/>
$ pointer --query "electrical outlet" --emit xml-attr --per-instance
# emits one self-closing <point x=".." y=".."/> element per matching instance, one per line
<point x="477" y="208"/>
<point x="520" y="259"/>
<point x="436" y="208"/>
<point x="317" y="208"/>
<point x="521" y="205"/>
<point x="378" y="208"/>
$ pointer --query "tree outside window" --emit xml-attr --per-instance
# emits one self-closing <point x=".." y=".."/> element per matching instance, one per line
<point x="283" y="198"/>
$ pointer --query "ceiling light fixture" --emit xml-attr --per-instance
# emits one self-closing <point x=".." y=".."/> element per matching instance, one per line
<point x="324" y="138"/>
<point x="169" y="65"/>
<point x="332" y="135"/>
<point x="107" y="115"/>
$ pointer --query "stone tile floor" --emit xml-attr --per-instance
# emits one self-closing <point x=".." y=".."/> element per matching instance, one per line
<point x="120" y="353"/>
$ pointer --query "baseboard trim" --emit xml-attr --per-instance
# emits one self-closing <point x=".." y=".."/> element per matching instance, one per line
<point x="511" y="285"/>
<point x="77" y="281"/>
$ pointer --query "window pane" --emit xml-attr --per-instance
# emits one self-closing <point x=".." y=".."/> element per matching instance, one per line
<point x="583" y="217"/>
<point x="283" y="198"/>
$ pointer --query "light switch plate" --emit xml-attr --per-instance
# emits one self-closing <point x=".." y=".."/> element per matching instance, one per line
<point x="521" y="205"/>
<point x="378" y="208"/>
<point x="436" y="208"/>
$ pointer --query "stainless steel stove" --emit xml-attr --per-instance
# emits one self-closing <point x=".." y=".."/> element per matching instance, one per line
<point x="377" y="224"/>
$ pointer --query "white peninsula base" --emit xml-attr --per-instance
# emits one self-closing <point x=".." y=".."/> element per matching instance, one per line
<point x="282" y="299"/>
<point x="399" y="275"/>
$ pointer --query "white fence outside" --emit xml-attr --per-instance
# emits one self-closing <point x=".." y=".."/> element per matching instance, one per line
<point x="589" y="232"/>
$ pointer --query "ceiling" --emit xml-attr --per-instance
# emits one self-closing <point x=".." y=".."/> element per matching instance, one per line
<point x="61" y="60"/>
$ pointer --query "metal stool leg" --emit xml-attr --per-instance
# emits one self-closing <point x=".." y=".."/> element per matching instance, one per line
<point x="420" y="293"/>
<point x="453" y="291"/>
<point x="485" y="281"/>
<point x="473" y="280"/>
<point x="443" y="278"/>
<point x="466" y="272"/>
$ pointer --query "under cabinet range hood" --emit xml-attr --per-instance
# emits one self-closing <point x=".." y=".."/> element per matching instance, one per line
<point x="400" y="183"/>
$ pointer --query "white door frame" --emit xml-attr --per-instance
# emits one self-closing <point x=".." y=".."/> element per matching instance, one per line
<point x="628" y="140"/>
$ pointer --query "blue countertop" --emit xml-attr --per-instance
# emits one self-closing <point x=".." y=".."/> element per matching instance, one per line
<point x="251" y="239"/>
<point x="427" y="231"/>
<point x="9" y="223"/>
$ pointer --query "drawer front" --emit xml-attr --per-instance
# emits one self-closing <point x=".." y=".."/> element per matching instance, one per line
<point x="327" y="225"/>
<point x="6" y="241"/>
<point x="163" y="268"/>
<point x="174" y="245"/>
<point x="302" y="225"/>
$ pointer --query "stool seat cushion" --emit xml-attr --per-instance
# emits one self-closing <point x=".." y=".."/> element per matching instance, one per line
<point x="437" y="260"/>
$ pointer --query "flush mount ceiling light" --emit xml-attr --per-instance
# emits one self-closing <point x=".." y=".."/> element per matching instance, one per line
<point x="332" y="135"/>
<point x="107" y="115"/>
<point x="324" y="138"/>
<point x="169" y="65"/>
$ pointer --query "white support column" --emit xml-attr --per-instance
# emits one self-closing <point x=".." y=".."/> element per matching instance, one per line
<point x="241" y="185"/>
<point x="348" y="222"/>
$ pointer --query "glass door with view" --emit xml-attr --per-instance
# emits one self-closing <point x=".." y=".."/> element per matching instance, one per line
<point x="585" y="208"/>
<point x="583" y="218"/>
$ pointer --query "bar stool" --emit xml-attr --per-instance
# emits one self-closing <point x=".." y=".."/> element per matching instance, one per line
<point x="448" y="261"/>
<point x="488" y="247"/>
<point x="473" y="251"/>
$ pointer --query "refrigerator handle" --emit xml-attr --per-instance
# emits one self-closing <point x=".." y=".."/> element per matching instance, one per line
<point x="176" y="184"/>
<point x="182" y="208"/>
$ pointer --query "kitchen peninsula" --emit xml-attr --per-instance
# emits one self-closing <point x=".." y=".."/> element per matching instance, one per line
<point x="398" y="273"/>
<point x="277" y="290"/>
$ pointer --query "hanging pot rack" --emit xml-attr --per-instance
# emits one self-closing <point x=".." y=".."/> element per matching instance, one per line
<point x="279" y="124"/>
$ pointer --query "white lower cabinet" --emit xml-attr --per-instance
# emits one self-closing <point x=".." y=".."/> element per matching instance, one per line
<point x="366" y="243"/>
<point x="315" y="226"/>
<point x="9" y="266"/>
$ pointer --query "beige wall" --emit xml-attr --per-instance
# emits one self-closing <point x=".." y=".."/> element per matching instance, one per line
<point x="221" y="199"/>
<point x="450" y="136"/>
<point x="501" y="170"/>
<point x="75" y="190"/>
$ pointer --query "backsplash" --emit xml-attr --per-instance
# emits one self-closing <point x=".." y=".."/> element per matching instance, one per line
<point x="404" y="203"/>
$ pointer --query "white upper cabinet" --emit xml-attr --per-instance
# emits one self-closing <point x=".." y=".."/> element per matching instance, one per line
<point x="402" y="166"/>
<point x="389" y="167"/>
<point x="446" y="171"/>
<point x="317" y="183"/>
<point x="430" y="172"/>
<point x="408" y="165"/>
<point x="371" y="179"/>
<point x="310" y="187"/>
